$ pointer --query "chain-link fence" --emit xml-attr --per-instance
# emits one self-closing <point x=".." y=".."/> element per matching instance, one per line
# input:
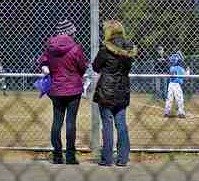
<point x="158" y="28"/>
<point x="174" y="170"/>
<point x="25" y="28"/>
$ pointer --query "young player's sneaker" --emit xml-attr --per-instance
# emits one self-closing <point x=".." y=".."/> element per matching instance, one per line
<point x="167" y="115"/>
<point x="181" y="116"/>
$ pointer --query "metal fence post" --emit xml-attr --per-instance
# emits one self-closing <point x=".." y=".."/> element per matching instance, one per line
<point x="95" y="120"/>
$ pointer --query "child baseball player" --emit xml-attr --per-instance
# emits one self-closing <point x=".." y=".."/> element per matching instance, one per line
<point x="174" y="87"/>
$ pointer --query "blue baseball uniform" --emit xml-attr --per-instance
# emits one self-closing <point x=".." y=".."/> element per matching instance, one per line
<point x="174" y="88"/>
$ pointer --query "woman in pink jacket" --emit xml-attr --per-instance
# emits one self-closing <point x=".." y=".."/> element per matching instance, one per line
<point x="64" y="60"/>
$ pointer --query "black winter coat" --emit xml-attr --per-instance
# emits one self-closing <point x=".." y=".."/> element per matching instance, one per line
<point x="113" y="86"/>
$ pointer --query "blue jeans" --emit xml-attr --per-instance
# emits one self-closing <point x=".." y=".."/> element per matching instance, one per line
<point x="118" y="116"/>
<point x="60" y="105"/>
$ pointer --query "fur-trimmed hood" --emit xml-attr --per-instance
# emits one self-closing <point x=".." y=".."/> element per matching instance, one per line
<point x="115" y="39"/>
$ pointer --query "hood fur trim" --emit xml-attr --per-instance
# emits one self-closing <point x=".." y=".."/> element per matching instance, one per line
<point x="114" y="29"/>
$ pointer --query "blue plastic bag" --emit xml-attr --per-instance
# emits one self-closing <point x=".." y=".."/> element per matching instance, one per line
<point x="43" y="85"/>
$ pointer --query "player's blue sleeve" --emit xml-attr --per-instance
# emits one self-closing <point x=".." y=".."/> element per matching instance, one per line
<point x="173" y="70"/>
<point x="181" y="71"/>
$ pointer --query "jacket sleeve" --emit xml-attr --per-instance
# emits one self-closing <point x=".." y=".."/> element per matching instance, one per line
<point x="44" y="59"/>
<point x="82" y="61"/>
<point x="98" y="61"/>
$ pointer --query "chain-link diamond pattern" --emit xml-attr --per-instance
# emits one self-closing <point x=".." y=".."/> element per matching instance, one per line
<point x="25" y="27"/>
<point x="159" y="28"/>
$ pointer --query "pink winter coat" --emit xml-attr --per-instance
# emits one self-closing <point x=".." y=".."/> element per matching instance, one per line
<point x="67" y="65"/>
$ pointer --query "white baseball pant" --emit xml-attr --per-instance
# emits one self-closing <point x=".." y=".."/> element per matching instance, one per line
<point x="174" y="92"/>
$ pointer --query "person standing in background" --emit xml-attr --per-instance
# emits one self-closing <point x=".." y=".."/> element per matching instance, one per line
<point x="64" y="60"/>
<point x="112" y="94"/>
<point x="161" y="67"/>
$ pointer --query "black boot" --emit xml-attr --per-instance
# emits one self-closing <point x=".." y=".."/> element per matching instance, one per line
<point x="73" y="161"/>
<point x="57" y="158"/>
<point x="70" y="157"/>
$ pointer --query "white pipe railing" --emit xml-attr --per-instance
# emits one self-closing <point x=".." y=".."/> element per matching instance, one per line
<point x="130" y="75"/>
<point x="84" y="149"/>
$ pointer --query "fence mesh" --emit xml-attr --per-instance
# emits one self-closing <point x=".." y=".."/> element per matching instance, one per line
<point x="26" y="121"/>
<point x="159" y="28"/>
<point x="27" y="25"/>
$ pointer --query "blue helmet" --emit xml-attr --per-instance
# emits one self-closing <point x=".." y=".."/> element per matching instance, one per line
<point x="175" y="59"/>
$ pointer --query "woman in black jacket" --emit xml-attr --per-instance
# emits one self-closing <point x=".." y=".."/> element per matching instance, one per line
<point x="113" y="63"/>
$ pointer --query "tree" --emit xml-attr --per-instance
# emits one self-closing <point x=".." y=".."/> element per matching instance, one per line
<point x="173" y="24"/>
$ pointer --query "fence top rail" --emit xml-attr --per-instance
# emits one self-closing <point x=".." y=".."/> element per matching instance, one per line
<point x="130" y="75"/>
<point x="162" y="75"/>
<point x="84" y="149"/>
